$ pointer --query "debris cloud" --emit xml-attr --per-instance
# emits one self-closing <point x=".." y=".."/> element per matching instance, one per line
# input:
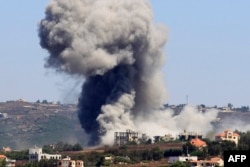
<point x="118" y="49"/>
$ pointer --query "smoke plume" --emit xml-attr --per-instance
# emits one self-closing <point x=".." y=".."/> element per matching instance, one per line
<point x="117" y="48"/>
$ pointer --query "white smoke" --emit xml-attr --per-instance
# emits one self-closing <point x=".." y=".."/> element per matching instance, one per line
<point x="165" y="122"/>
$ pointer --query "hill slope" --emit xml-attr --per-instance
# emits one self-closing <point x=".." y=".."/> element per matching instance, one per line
<point x="24" y="124"/>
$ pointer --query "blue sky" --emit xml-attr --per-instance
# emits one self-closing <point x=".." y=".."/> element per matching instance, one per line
<point x="207" y="53"/>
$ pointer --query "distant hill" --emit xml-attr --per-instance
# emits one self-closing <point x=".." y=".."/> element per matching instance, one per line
<point x="24" y="124"/>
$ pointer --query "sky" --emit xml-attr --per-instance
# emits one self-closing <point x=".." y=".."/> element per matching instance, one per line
<point x="207" y="53"/>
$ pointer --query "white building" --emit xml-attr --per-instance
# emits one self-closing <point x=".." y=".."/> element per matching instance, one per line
<point x="229" y="136"/>
<point x="213" y="162"/>
<point x="36" y="154"/>
<point x="173" y="159"/>
<point x="67" y="162"/>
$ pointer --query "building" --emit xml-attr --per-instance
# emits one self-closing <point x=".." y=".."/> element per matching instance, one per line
<point x="173" y="159"/>
<point x="3" y="115"/>
<point x="2" y="156"/>
<point x="6" y="149"/>
<point x="198" y="143"/>
<point x="229" y="136"/>
<point x="165" y="138"/>
<point x="213" y="162"/>
<point x="67" y="162"/>
<point x="186" y="136"/>
<point x="168" y="137"/>
<point x="123" y="138"/>
<point x="9" y="162"/>
<point x="36" y="154"/>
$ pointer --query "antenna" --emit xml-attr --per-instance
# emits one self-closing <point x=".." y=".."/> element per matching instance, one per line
<point x="187" y="99"/>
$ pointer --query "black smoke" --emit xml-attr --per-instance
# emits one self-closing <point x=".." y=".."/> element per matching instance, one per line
<point x="117" y="48"/>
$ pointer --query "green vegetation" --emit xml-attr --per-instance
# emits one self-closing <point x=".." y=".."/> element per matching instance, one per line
<point x="18" y="155"/>
<point x="173" y="152"/>
<point x="244" y="143"/>
<point x="179" y="164"/>
<point x="2" y="163"/>
<point x="42" y="163"/>
<point x="61" y="146"/>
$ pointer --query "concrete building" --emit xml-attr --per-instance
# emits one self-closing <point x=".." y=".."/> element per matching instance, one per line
<point x="165" y="138"/>
<point x="36" y="154"/>
<point x="229" y="136"/>
<point x="67" y="162"/>
<point x="123" y="138"/>
<point x="213" y="162"/>
<point x="186" y="136"/>
<point x="173" y="159"/>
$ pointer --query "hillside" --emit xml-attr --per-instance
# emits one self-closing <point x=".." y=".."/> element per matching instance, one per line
<point x="24" y="124"/>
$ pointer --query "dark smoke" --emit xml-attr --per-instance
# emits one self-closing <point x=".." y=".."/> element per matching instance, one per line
<point x="116" y="47"/>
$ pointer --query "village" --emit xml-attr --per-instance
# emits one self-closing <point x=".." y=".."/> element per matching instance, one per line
<point x="132" y="149"/>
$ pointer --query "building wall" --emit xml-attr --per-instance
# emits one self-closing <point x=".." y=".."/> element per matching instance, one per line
<point x="70" y="163"/>
<point x="182" y="158"/>
<point x="229" y="136"/>
<point x="36" y="154"/>
<point x="122" y="138"/>
<point x="207" y="163"/>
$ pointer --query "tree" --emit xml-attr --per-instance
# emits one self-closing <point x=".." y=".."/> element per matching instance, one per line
<point x="149" y="141"/>
<point x="45" y="102"/>
<point x="188" y="148"/>
<point x="179" y="164"/>
<point x="48" y="149"/>
<point x="244" y="142"/>
<point x="77" y="147"/>
<point x="59" y="146"/>
<point x="228" y="146"/>
<point x="244" y="109"/>
<point x="3" y="163"/>
<point x="214" y="148"/>
<point x="157" y="154"/>
<point x="172" y="152"/>
<point x="230" y="105"/>
<point x="203" y="105"/>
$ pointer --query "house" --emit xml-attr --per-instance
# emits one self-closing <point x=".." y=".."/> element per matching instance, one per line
<point x="109" y="158"/>
<point x="173" y="159"/>
<point x="9" y="162"/>
<point x="168" y="137"/>
<point x="67" y="162"/>
<point x="6" y="149"/>
<point x="198" y="143"/>
<point x="185" y="136"/>
<point x="207" y="163"/>
<point x="36" y="154"/>
<point x="165" y="138"/>
<point x="2" y="157"/>
<point x="229" y="136"/>
<point x="123" y="138"/>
